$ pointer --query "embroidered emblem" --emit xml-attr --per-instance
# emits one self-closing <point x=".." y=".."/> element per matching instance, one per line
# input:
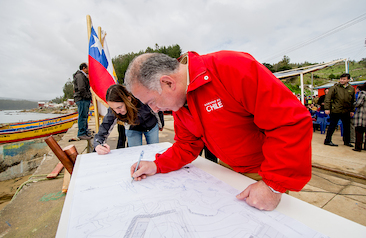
<point x="213" y="105"/>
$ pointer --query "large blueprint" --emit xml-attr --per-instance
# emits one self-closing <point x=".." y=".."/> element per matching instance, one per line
<point x="185" y="203"/>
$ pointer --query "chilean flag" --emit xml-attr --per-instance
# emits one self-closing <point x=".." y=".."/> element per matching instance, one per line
<point x="99" y="77"/>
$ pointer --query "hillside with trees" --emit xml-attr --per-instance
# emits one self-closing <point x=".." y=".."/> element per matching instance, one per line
<point x="9" y="104"/>
<point x="357" y="70"/>
<point x="121" y="62"/>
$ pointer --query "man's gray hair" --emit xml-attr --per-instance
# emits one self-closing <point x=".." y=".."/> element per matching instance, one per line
<point x="147" y="70"/>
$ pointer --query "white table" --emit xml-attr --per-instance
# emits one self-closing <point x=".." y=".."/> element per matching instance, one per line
<point x="316" y="218"/>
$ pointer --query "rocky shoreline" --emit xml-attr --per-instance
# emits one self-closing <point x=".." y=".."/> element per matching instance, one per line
<point x="9" y="186"/>
<point x="52" y="110"/>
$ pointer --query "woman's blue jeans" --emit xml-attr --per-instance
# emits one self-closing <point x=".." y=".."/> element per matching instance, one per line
<point x="134" y="138"/>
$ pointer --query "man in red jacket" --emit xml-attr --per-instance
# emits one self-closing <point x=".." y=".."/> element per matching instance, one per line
<point x="237" y="108"/>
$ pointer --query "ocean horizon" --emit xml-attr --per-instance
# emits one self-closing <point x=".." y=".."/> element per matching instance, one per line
<point x="14" y="116"/>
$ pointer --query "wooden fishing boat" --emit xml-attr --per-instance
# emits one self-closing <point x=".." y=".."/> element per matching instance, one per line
<point x="37" y="123"/>
<point x="35" y="129"/>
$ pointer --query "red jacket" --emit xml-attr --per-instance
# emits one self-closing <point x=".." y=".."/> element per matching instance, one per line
<point x="246" y="117"/>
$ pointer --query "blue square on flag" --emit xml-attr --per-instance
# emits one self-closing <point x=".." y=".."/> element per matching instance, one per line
<point x="96" y="49"/>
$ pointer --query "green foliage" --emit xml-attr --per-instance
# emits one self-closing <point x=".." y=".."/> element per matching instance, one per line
<point x="356" y="69"/>
<point x="284" y="67"/>
<point x="332" y="76"/>
<point x="68" y="90"/>
<point x="121" y="62"/>
<point x="269" y="66"/>
<point x="293" y="87"/>
<point x="284" y="64"/>
<point x="363" y="62"/>
<point x="57" y="100"/>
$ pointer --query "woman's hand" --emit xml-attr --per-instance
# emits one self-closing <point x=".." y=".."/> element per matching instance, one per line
<point x="102" y="149"/>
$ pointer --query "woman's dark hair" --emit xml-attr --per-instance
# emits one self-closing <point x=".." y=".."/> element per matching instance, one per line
<point x="118" y="93"/>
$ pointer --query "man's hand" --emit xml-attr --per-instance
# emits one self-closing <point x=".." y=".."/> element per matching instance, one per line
<point x="327" y="112"/>
<point x="145" y="169"/>
<point x="260" y="196"/>
<point x="102" y="149"/>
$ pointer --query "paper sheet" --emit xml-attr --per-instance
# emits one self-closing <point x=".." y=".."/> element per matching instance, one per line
<point x="184" y="203"/>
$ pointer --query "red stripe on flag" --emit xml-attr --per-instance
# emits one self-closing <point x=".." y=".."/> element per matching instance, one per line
<point x="99" y="78"/>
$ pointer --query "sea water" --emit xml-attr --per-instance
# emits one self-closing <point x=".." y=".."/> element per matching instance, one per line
<point x="13" y="116"/>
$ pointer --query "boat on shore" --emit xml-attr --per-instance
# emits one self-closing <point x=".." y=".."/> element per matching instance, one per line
<point x="21" y="131"/>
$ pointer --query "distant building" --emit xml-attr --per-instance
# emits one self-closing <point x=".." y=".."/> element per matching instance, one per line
<point x="41" y="104"/>
<point x="70" y="102"/>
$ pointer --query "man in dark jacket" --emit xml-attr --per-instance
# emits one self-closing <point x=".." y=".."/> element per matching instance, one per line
<point x="339" y="105"/>
<point x="82" y="97"/>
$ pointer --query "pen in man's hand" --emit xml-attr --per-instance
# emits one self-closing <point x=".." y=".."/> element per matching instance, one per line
<point x="138" y="162"/>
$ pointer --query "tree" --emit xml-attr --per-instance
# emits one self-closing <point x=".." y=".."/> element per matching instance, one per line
<point x="68" y="90"/>
<point x="269" y="66"/>
<point x="284" y="64"/>
<point x="121" y="62"/>
<point x="57" y="100"/>
<point x="363" y="62"/>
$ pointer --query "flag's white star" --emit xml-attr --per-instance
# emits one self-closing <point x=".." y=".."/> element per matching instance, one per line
<point x="97" y="44"/>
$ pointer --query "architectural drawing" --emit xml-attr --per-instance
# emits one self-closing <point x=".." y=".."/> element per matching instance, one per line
<point x="185" y="203"/>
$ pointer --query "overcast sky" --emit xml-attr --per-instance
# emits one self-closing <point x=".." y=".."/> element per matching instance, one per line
<point x="44" y="42"/>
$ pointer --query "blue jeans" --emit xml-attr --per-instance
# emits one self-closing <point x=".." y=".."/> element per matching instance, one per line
<point x="83" y="110"/>
<point x="134" y="138"/>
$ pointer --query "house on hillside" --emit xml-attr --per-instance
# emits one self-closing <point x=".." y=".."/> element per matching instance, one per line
<point x="70" y="102"/>
<point x="41" y="104"/>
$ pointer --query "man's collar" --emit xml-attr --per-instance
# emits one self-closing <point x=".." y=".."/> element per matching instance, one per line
<point x="184" y="60"/>
<point x="84" y="73"/>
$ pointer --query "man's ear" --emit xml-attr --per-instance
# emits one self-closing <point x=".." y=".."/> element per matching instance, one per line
<point x="168" y="81"/>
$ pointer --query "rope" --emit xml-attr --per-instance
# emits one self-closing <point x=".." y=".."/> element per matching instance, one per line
<point x="34" y="181"/>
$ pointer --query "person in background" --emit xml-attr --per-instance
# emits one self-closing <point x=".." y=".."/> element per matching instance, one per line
<point x="360" y="118"/>
<point x="310" y="100"/>
<point x="352" y="121"/>
<point x="139" y="119"/>
<point x="322" y="98"/>
<point x="339" y="105"/>
<point x="233" y="105"/>
<point x="82" y="97"/>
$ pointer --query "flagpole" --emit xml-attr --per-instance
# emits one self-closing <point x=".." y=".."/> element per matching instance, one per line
<point x="96" y="112"/>
<point x="100" y="35"/>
